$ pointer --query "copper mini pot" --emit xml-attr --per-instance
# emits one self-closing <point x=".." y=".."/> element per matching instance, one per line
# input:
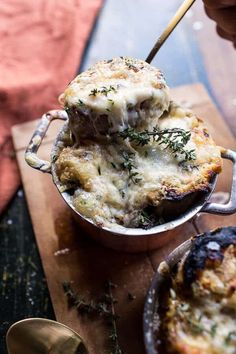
<point x="157" y="290"/>
<point x="125" y="239"/>
<point x="155" y="303"/>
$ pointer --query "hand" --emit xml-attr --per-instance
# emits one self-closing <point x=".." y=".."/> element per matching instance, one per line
<point x="223" y="12"/>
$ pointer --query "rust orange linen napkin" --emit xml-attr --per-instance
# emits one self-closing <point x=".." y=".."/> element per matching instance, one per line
<point x="41" y="45"/>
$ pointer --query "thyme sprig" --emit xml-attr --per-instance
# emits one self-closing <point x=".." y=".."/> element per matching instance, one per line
<point x="104" y="307"/>
<point x="113" y="334"/>
<point x="173" y="139"/>
<point x="83" y="307"/>
<point x="128" y="164"/>
<point x="103" y="90"/>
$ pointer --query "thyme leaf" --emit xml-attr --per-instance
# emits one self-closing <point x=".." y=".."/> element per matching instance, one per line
<point x="213" y="330"/>
<point x="122" y="194"/>
<point x="173" y="139"/>
<point x="103" y="90"/>
<point x="128" y="164"/>
<point x="93" y="92"/>
<point x="104" y="307"/>
<point x="111" y="101"/>
<point x="113" y="165"/>
<point x="130" y="64"/>
<point x="196" y="327"/>
<point x="148" y="219"/>
<point x="113" y="335"/>
<point x="80" y="102"/>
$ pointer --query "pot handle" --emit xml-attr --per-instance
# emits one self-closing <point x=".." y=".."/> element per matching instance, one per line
<point x="31" y="152"/>
<point x="230" y="207"/>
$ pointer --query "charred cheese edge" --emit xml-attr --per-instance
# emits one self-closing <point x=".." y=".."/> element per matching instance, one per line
<point x="108" y="189"/>
<point x="201" y="318"/>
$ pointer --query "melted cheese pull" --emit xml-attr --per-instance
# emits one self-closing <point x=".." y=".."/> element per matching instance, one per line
<point x="113" y="95"/>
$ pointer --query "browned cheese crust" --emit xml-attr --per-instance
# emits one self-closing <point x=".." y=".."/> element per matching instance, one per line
<point x="150" y="155"/>
<point x="201" y="316"/>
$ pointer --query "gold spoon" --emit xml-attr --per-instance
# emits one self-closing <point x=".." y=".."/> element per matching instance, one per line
<point x="170" y="27"/>
<point x="42" y="336"/>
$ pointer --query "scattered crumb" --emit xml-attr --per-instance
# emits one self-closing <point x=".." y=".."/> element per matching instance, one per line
<point x="61" y="252"/>
<point x="131" y="297"/>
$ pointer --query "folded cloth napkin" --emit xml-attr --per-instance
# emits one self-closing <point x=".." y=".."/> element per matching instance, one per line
<point x="41" y="45"/>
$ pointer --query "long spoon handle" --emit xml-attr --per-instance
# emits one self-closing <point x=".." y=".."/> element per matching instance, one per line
<point x="170" y="27"/>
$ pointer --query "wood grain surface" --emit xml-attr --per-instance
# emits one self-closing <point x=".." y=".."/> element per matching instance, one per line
<point x="87" y="264"/>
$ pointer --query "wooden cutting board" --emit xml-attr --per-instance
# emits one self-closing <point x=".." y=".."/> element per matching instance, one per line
<point x="87" y="264"/>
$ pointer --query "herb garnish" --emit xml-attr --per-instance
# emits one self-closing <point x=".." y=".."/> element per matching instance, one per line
<point x="130" y="63"/>
<point x="113" y="335"/>
<point x="104" y="90"/>
<point x="112" y="101"/>
<point x="113" y="165"/>
<point x="196" y="328"/>
<point x="105" y="307"/>
<point x="213" y="330"/>
<point x="144" y="220"/>
<point x="122" y="194"/>
<point x="111" y="104"/>
<point x="174" y="139"/>
<point x="148" y="219"/>
<point x="93" y="92"/>
<point x="80" y="102"/>
<point x="194" y="324"/>
<point x="230" y="337"/>
<point x="128" y="164"/>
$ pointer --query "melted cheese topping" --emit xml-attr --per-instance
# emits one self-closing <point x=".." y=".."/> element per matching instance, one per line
<point x="115" y="179"/>
<point x="205" y="323"/>
<point x="115" y="94"/>
<point x="105" y="191"/>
